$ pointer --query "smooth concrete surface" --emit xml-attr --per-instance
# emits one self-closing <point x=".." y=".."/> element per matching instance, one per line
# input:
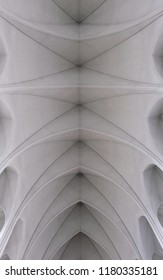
<point x="81" y="129"/>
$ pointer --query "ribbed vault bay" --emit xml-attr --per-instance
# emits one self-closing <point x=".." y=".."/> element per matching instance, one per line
<point x="81" y="129"/>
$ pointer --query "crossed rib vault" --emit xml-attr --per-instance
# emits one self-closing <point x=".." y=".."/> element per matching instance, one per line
<point x="81" y="129"/>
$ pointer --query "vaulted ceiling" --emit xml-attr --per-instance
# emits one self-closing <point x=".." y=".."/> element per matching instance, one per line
<point x="81" y="104"/>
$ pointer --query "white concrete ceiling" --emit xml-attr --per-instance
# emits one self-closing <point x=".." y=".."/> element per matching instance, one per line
<point x="81" y="129"/>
